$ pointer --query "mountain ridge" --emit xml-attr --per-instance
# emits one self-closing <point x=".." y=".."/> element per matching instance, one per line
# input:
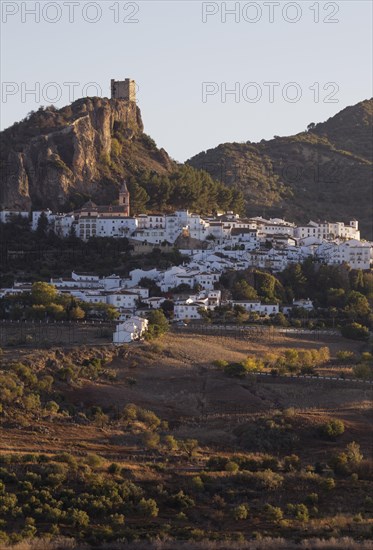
<point x="324" y="172"/>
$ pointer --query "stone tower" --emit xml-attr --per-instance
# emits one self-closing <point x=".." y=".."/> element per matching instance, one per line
<point x="123" y="89"/>
<point x="124" y="198"/>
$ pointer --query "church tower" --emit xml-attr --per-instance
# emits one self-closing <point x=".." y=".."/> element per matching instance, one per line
<point x="124" y="199"/>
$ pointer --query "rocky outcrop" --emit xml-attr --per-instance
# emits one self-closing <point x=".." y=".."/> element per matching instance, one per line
<point x="85" y="149"/>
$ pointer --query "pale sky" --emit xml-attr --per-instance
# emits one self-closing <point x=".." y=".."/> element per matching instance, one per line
<point x="176" y="50"/>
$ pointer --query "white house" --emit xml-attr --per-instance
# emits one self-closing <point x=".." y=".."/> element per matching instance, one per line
<point x="154" y="302"/>
<point x="188" y="311"/>
<point x="207" y="279"/>
<point x="132" y="329"/>
<point x="357" y="254"/>
<point x="108" y="226"/>
<point x="63" y="224"/>
<point x="122" y="299"/>
<point x="329" y="230"/>
<point x="256" y="306"/>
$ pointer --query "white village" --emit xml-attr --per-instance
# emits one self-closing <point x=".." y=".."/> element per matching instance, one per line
<point x="220" y="243"/>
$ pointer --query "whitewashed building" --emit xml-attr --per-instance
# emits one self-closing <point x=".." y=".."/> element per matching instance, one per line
<point x="130" y="330"/>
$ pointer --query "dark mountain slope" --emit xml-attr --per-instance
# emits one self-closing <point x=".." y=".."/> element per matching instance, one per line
<point x="325" y="172"/>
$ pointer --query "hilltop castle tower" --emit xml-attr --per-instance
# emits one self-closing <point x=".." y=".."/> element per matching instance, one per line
<point x="123" y="89"/>
<point x="124" y="199"/>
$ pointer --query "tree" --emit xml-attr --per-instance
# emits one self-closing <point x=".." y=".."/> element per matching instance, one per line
<point x="357" y="305"/>
<point x="158" y="324"/>
<point x="280" y="320"/>
<point x="354" y="456"/>
<point x="168" y="308"/>
<point x="139" y="198"/>
<point x="42" y="226"/>
<point x="43" y="293"/>
<point x="265" y="284"/>
<point x="294" y="278"/>
<point x="357" y="280"/>
<point x="76" y="313"/>
<point x="56" y="311"/>
<point x="243" y="291"/>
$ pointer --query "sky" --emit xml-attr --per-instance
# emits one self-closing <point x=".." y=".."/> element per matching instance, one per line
<point x="286" y="64"/>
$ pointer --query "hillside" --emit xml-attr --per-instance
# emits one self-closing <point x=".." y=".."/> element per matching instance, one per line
<point x="60" y="158"/>
<point x="325" y="172"/>
<point x="154" y="446"/>
<point x="62" y="153"/>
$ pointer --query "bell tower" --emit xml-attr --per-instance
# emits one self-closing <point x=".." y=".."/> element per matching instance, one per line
<point x="124" y="199"/>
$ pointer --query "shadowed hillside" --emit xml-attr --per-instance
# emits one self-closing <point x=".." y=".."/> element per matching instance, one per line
<point x="324" y="172"/>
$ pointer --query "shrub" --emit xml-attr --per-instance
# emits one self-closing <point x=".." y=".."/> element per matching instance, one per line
<point x="170" y="443"/>
<point x="149" y="418"/>
<point x="331" y="430"/>
<point x="231" y="467"/>
<point x="273" y="513"/>
<point x="355" y="331"/>
<point x="31" y="402"/>
<point x="363" y="371"/>
<point x="328" y="483"/>
<point x="117" y="519"/>
<point x="220" y="363"/>
<point x="151" y="440"/>
<point x="292" y="463"/>
<point x="148" y="508"/>
<point x="93" y="460"/>
<point x="197" y="483"/>
<point x="189" y="446"/>
<point x="114" y="468"/>
<point x="235" y="370"/>
<point x="181" y="501"/>
<point x="78" y="518"/>
<point x="354" y="456"/>
<point x="52" y="407"/>
<point x="266" y="480"/>
<point x="241" y="512"/>
<point x="312" y="498"/>
<point x="299" y="511"/>
<point x="345" y="356"/>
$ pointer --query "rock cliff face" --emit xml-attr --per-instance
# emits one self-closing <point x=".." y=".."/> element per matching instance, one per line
<point x="325" y="172"/>
<point x="85" y="149"/>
